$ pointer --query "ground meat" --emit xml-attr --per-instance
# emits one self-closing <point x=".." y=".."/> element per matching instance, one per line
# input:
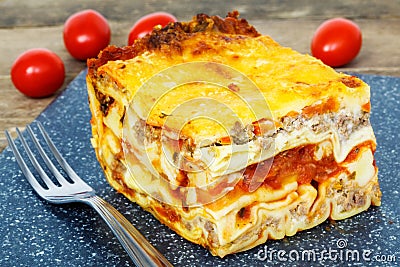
<point x="350" y="199"/>
<point x="242" y="135"/>
<point x="105" y="101"/>
<point x="266" y="142"/>
<point x="345" y="122"/>
<point x="146" y="132"/>
<point x="139" y="129"/>
<point x="299" y="211"/>
<point x="272" y="222"/>
<point x="292" y="123"/>
<point x="212" y="236"/>
<point x="347" y="193"/>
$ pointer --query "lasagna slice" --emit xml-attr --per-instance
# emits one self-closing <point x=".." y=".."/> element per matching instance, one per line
<point x="229" y="138"/>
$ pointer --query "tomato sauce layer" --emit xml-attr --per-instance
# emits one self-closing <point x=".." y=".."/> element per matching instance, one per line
<point x="298" y="162"/>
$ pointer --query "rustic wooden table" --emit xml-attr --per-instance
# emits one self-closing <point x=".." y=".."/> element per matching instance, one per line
<point x="29" y="24"/>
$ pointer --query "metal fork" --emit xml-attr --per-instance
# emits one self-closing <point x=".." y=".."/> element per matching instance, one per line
<point x="75" y="189"/>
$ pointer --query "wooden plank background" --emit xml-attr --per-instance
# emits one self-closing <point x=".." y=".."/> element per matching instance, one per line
<point x="29" y="24"/>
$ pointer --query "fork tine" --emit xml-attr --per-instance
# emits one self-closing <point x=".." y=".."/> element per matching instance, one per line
<point x="64" y="164"/>
<point x="60" y="178"/>
<point x="49" y="183"/>
<point x="139" y="249"/>
<point x="22" y="164"/>
<point x="24" y="168"/>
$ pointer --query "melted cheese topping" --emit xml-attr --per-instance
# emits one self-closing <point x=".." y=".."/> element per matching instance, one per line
<point x="308" y="104"/>
<point x="288" y="81"/>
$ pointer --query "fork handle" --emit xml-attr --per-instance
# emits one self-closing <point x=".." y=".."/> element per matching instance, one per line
<point x="138" y="248"/>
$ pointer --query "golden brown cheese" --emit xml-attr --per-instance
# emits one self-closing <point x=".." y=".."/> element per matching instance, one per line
<point x="283" y="76"/>
<point x="309" y="157"/>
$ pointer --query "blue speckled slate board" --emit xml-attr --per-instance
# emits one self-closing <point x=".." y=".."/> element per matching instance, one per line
<point x="35" y="233"/>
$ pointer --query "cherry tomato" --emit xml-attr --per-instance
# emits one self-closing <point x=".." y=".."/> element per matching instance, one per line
<point x="38" y="73"/>
<point x="336" y="42"/>
<point x="86" y="33"/>
<point x="145" y="25"/>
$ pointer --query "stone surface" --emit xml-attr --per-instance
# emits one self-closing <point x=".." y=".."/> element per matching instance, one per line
<point x="35" y="233"/>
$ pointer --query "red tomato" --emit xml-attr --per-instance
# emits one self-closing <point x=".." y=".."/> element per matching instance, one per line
<point x="336" y="42"/>
<point x="146" y="24"/>
<point x="38" y="73"/>
<point x="86" y="33"/>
